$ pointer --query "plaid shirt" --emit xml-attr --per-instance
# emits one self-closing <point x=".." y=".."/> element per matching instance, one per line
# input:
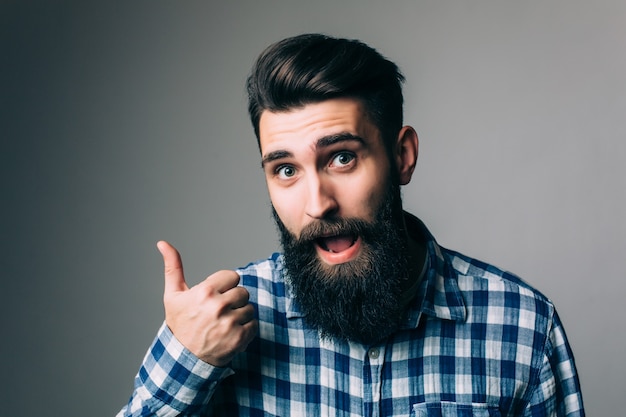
<point x="477" y="341"/>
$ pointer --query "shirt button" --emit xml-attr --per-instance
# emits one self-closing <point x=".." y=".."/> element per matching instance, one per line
<point x="374" y="353"/>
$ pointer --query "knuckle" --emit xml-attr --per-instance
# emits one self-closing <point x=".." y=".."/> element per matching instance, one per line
<point x="248" y="312"/>
<point x="210" y="289"/>
<point x="219" y="307"/>
<point x="242" y="293"/>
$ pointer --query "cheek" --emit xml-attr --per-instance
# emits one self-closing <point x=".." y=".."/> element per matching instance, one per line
<point x="364" y="199"/>
<point x="286" y="207"/>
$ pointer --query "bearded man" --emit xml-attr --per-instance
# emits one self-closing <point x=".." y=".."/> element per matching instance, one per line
<point x="363" y="313"/>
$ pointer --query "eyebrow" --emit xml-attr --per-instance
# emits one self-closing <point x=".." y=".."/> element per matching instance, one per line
<point x="322" y="142"/>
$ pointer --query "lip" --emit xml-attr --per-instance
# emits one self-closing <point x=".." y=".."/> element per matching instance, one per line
<point x="335" y="258"/>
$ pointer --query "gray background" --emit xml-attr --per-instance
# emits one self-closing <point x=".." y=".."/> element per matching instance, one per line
<point x="124" y="123"/>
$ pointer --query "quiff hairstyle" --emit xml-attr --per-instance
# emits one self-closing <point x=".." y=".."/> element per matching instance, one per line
<point x="311" y="68"/>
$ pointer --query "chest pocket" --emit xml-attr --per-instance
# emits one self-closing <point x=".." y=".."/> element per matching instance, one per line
<point x="448" y="409"/>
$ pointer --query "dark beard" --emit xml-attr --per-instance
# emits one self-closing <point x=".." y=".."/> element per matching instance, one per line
<point x="360" y="300"/>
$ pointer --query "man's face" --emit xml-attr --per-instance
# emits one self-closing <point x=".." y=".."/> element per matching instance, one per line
<point x="321" y="161"/>
<point x="340" y="218"/>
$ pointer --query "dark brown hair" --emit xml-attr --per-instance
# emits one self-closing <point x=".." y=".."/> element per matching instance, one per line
<point x="311" y="68"/>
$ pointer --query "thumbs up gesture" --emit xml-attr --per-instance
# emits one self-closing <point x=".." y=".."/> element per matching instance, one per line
<point x="213" y="319"/>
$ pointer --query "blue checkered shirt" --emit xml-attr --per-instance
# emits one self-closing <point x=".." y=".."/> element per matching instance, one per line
<point x="477" y="341"/>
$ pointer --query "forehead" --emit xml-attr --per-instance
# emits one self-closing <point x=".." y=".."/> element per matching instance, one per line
<point x="307" y="124"/>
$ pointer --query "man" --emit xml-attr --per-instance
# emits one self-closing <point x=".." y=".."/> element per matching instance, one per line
<point x="363" y="314"/>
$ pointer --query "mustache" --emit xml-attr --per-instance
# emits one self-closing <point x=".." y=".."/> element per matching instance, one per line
<point x="333" y="227"/>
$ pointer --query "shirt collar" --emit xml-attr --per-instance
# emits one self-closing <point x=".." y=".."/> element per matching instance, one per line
<point x="439" y="294"/>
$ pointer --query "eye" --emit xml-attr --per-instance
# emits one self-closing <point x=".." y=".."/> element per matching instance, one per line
<point x="342" y="159"/>
<point x="285" y="171"/>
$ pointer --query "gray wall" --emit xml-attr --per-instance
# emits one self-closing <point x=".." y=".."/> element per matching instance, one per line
<point x="122" y="124"/>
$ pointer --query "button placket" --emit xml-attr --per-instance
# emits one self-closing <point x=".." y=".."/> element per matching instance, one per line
<point x="374" y="353"/>
<point x="375" y="358"/>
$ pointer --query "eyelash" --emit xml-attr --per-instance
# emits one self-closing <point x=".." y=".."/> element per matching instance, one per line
<point x="281" y="168"/>
<point x="350" y="155"/>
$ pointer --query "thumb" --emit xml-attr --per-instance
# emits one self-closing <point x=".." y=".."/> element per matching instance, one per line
<point x="174" y="277"/>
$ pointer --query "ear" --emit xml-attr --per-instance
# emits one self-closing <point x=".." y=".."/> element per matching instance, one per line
<point x="406" y="151"/>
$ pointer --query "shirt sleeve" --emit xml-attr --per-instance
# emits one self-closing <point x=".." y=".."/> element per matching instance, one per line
<point x="558" y="392"/>
<point x="172" y="381"/>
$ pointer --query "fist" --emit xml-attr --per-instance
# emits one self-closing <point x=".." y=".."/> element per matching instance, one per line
<point x="214" y="319"/>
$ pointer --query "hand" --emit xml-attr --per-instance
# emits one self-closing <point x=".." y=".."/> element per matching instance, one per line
<point x="213" y="320"/>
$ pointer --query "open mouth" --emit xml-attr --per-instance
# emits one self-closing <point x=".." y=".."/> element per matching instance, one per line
<point x="336" y="243"/>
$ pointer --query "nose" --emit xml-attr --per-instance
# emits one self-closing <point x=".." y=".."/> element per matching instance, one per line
<point x="321" y="201"/>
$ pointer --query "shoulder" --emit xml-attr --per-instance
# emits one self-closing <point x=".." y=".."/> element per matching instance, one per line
<point x="488" y="274"/>
<point x="459" y="284"/>
<point x="265" y="269"/>
<point x="491" y="291"/>
<point x="264" y="280"/>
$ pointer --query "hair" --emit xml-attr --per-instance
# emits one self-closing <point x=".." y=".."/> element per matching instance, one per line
<point x="311" y="68"/>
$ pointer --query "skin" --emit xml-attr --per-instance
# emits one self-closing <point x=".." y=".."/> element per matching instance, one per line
<point x="327" y="159"/>
<point x="213" y="319"/>
<point x="323" y="159"/>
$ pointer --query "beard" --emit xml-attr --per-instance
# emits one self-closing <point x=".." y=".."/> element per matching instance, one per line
<point x="359" y="300"/>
